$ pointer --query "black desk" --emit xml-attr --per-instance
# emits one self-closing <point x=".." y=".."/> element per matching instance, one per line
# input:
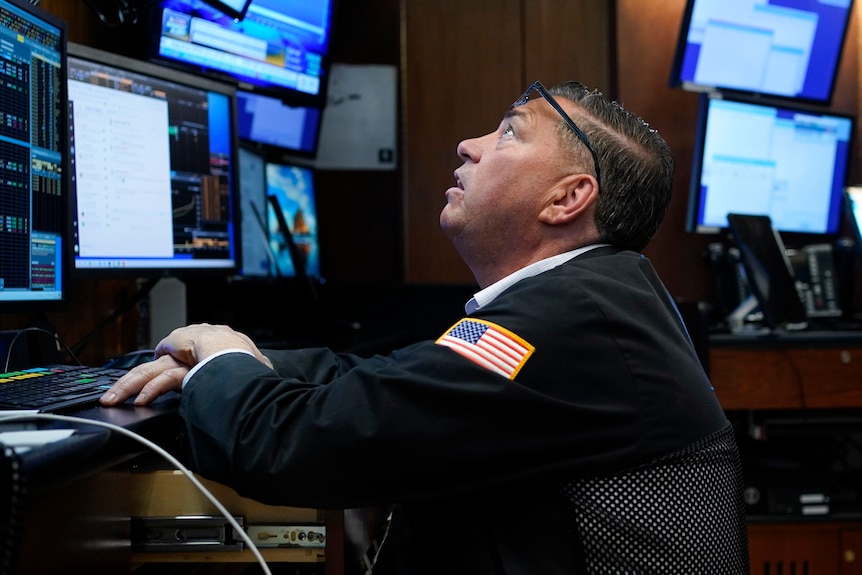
<point x="63" y="507"/>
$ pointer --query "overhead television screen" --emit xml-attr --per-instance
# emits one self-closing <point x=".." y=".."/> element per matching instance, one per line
<point x="781" y="48"/>
<point x="787" y="162"/>
<point x="281" y="47"/>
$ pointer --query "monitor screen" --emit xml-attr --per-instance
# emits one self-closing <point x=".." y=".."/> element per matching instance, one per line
<point x="783" y="48"/>
<point x="34" y="154"/>
<point x="257" y="257"/>
<point x="270" y="123"/>
<point x="758" y="158"/>
<point x="154" y="169"/>
<point x="291" y="188"/>
<point x="281" y="47"/>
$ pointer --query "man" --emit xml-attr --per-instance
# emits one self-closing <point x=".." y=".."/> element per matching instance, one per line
<point x="565" y="425"/>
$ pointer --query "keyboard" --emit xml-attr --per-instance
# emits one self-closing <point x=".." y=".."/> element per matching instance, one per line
<point x="55" y="387"/>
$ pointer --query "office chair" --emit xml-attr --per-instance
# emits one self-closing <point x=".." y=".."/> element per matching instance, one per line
<point x="682" y="513"/>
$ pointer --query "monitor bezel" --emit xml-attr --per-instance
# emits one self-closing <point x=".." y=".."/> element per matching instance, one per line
<point x="37" y="306"/>
<point x="235" y="13"/>
<point x="133" y="65"/>
<point x="695" y="192"/>
<point x="151" y="24"/>
<point x="681" y="46"/>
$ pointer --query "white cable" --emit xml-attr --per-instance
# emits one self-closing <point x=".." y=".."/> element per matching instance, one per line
<point x="170" y="458"/>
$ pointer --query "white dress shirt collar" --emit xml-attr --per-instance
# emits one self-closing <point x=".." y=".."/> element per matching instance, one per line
<point x="487" y="295"/>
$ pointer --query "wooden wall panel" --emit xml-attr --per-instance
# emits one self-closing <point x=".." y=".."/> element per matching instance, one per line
<point x="80" y="20"/>
<point x="461" y="69"/>
<point x="570" y="40"/>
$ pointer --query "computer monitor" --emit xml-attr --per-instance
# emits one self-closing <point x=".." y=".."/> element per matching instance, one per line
<point x="291" y="188"/>
<point x="781" y="48"/>
<point x="34" y="154"/>
<point x="154" y="170"/>
<point x="754" y="157"/>
<point x="280" y="48"/>
<point x="271" y="125"/>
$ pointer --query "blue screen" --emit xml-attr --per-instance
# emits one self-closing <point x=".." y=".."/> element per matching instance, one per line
<point x="280" y="46"/>
<point x="764" y="159"/>
<point x="271" y="122"/>
<point x="785" y="48"/>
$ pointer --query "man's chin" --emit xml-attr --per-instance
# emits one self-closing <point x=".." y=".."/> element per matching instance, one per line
<point x="447" y="222"/>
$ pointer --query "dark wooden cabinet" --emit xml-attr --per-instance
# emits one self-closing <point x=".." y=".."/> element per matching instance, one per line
<point x="799" y="374"/>
<point x="806" y="372"/>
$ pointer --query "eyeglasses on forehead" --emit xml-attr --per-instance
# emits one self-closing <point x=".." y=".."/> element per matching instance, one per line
<point x="543" y="92"/>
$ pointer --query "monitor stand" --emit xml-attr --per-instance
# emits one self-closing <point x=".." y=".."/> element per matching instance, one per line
<point x="167" y="308"/>
<point x="736" y="318"/>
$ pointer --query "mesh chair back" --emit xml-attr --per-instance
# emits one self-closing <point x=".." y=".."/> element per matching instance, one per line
<point x="682" y="513"/>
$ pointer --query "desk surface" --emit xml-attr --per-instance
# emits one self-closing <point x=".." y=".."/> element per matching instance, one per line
<point x="789" y="339"/>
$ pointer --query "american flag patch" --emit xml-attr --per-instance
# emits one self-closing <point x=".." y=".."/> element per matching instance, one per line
<point x="489" y="345"/>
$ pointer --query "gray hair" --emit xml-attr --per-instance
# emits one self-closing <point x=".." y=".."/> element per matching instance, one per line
<point x="636" y="166"/>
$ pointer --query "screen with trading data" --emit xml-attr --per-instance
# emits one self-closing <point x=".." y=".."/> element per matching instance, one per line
<point x="32" y="157"/>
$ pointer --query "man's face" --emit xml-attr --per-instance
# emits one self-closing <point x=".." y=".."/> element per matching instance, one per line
<point x="500" y="188"/>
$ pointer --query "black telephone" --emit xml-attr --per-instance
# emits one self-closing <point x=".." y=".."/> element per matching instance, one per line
<point x="814" y="267"/>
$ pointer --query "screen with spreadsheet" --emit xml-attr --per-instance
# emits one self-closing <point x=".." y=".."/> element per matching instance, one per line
<point x="754" y="157"/>
<point x="33" y="157"/>
<point x="154" y="169"/>
<point x="782" y="48"/>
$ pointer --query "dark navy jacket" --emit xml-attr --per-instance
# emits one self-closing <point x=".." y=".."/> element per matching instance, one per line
<point x="473" y="460"/>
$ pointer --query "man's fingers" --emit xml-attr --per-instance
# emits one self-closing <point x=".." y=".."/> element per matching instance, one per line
<point x="168" y="380"/>
<point x="147" y="381"/>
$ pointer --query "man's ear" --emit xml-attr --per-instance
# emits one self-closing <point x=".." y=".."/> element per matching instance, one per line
<point x="570" y="199"/>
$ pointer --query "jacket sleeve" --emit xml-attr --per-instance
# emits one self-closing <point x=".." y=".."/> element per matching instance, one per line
<point x="332" y="431"/>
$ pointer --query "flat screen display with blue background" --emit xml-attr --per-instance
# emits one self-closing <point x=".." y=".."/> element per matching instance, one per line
<point x="281" y="46"/>
<point x="785" y="162"/>
<point x="783" y="48"/>
<point x="270" y="122"/>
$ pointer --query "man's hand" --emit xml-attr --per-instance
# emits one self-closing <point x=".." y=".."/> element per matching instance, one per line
<point x="178" y="353"/>
<point x="147" y="381"/>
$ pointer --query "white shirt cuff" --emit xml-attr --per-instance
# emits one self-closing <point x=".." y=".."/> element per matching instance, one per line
<point x="206" y="360"/>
